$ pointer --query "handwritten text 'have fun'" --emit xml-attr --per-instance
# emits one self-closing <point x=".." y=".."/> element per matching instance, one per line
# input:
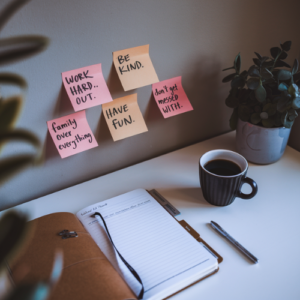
<point x="115" y="111"/>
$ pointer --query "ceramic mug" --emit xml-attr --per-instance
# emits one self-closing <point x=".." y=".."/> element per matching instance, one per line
<point x="220" y="187"/>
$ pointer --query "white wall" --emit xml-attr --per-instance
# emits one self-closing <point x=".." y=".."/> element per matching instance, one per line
<point x="192" y="38"/>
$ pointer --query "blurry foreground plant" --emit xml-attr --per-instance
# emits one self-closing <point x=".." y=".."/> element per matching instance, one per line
<point x="13" y="226"/>
<point x="13" y="49"/>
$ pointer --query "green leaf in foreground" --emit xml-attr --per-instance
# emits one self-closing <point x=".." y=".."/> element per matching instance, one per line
<point x="9" y="112"/>
<point x="13" y="229"/>
<point x="261" y="94"/>
<point x="13" y="165"/>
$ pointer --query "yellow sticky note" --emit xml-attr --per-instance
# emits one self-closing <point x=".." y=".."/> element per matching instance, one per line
<point x="123" y="117"/>
<point x="134" y="67"/>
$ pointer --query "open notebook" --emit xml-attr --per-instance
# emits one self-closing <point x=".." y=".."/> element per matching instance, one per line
<point x="166" y="257"/>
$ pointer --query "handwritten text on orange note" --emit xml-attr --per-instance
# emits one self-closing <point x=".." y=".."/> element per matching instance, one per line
<point x="123" y="117"/>
<point x="134" y="67"/>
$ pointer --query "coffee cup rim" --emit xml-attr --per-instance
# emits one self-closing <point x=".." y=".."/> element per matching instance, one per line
<point x="242" y="162"/>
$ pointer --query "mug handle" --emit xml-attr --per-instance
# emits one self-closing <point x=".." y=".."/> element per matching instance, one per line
<point x="252" y="183"/>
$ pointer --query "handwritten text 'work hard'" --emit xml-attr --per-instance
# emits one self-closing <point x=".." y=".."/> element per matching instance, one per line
<point x="129" y="67"/>
<point x="65" y="134"/>
<point x="116" y="111"/>
<point x="79" y="89"/>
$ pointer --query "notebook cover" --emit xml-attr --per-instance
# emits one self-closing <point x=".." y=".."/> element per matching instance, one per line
<point x="82" y="257"/>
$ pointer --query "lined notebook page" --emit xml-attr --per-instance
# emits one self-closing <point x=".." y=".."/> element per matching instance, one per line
<point x="165" y="256"/>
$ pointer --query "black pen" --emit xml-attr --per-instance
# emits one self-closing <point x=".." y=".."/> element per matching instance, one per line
<point x="234" y="242"/>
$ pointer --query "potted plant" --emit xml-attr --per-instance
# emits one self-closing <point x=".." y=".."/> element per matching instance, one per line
<point x="265" y="100"/>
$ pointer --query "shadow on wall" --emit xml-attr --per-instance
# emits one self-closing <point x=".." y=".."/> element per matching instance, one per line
<point x="63" y="104"/>
<point x="152" y="113"/>
<point x="205" y="90"/>
<point x="114" y="84"/>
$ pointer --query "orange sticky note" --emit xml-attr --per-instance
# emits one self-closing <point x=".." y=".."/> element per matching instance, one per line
<point x="170" y="97"/>
<point x="71" y="134"/>
<point x="124" y="118"/>
<point x="134" y="67"/>
<point x="86" y="87"/>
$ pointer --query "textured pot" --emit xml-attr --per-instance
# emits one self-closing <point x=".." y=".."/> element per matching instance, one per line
<point x="261" y="145"/>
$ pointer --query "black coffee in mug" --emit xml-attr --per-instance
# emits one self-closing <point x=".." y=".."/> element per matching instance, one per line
<point x="222" y="167"/>
<point x="222" y="175"/>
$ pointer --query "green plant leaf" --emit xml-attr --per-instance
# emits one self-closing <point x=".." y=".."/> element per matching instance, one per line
<point x="253" y="83"/>
<point x="286" y="122"/>
<point x="255" y="118"/>
<point x="13" y="79"/>
<point x="292" y="114"/>
<point x="258" y="55"/>
<point x="238" y="82"/>
<point x="286" y="46"/>
<point x="283" y="55"/>
<point x="283" y="87"/>
<point x="264" y="115"/>
<point x="244" y="113"/>
<point x="296" y="76"/>
<point x="19" y="134"/>
<point x="296" y="103"/>
<point x="270" y="109"/>
<point x="232" y="102"/>
<point x="253" y="71"/>
<point x="9" y="10"/>
<point x="13" y="230"/>
<point x="260" y="94"/>
<point x="9" y="112"/>
<point x="264" y="59"/>
<point x="284" y="104"/>
<point x="268" y="123"/>
<point x="10" y="166"/>
<point x="275" y="51"/>
<point x="237" y="63"/>
<point x="281" y="63"/>
<point x="228" y="69"/>
<point x="228" y="77"/>
<point x="293" y="90"/>
<point x="268" y="64"/>
<point x="17" y="48"/>
<point x="265" y="73"/>
<point x="257" y="62"/>
<point x="284" y="75"/>
<point x="233" y="119"/>
<point x="244" y="74"/>
<point x="295" y="66"/>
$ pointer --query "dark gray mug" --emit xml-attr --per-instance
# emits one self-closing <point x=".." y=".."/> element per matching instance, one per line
<point x="222" y="174"/>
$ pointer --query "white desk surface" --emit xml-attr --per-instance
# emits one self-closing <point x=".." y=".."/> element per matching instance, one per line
<point x="267" y="225"/>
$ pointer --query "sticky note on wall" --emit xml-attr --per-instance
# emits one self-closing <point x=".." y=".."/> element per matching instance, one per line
<point x="86" y="87"/>
<point x="134" y="67"/>
<point x="124" y="118"/>
<point x="71" y="134"/>
<point x="170" y="97"/>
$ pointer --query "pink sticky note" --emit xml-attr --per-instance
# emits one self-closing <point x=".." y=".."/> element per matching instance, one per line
<point x="71" y="134"/>
<point x="86" y="87"/>
<point x="170" y="97"/>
